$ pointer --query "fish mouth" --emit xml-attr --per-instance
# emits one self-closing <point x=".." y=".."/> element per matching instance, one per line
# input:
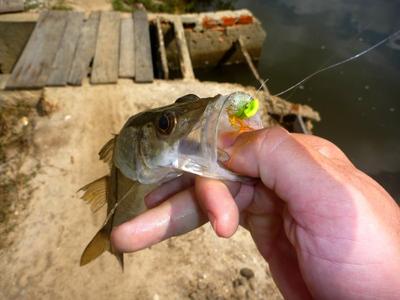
<point x="201" y="151"/>
<point x="196" y="148"/>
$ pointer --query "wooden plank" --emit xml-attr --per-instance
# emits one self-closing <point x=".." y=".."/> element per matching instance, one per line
<point x="143" y="59"/>
<point x="85" y="50"/>
<point x="161" y="50"/>
<point x="183" y="50"/>
<point x="65" y="54"/>
<point x="106" y="58"/>
<point x="7" y="6"/>
<point x="127" y="49"/>
<point x="33" y="68"/>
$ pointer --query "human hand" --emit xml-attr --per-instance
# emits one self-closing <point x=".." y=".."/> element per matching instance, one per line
<point x="326" y="229"/>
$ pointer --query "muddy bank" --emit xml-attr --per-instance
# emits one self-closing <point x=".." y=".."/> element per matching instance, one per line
<point x="43" y="260"/>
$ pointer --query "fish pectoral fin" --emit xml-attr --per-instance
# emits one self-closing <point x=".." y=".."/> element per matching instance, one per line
<point x="99" y="244"/>
<point x="106" y="152"/>
<point x="96" y="193"/>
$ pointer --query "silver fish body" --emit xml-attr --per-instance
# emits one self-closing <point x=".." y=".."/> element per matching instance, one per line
<point x="153" y="147"/>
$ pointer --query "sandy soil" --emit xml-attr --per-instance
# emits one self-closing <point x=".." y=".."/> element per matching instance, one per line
<point x="43" y="260"/>
<point x="89" y="6"/>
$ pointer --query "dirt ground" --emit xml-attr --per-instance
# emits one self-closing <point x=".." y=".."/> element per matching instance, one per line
<point x="41" y="258"/>
<point x="91" y="5"/>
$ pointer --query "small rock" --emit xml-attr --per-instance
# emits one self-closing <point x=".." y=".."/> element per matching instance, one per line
<point x="241" y="292"/>
<point x="247" y="273"/>
<point x="24" y="121"/>
<point x="253" y="284"/>
<point x="201" y="285"/>
<point x="45" y="108"/>
<point x="238" y="282"/>
<point x="156" y="297"/>
<point x="2" y="217"/>
<point x="193" y="295"/>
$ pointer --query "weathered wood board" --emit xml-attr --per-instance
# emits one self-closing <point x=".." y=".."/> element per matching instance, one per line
<point x="85" y="51"/>
<point x="183" y="50"/>
<point x="143" y="59"/>
<point x="33" y="68"/>
<point x="161" y="50"/>
<point x="127" y="49"/>
<point x="7" y="6"/>
<point x="106" y="58"/>
<point x="65" y="54"/>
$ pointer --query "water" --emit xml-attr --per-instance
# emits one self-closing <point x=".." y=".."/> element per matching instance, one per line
<point x="360" y="101"/>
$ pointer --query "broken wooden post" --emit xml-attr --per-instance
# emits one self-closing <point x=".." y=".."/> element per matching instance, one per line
<point x="8" y="6"/>
<point x="143" y="59"/>
<point x="183" y="50"/>
<point x="161" y="50"/>
<point x="252" y="67"/>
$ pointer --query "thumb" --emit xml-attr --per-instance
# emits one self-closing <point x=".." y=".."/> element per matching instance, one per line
<point x="296" y="172"/>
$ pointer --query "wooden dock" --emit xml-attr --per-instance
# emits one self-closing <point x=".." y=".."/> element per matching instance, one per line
<point x="65" y="48"/>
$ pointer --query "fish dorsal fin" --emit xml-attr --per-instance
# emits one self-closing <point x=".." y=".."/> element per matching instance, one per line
<point x="106" y="152"/>
<point x="96" y="193"/>
<point x="187" y="98"/>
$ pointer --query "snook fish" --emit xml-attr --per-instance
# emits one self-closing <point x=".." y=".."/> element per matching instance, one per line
<point x="143" y="142"/>
<point x="144" y="155"/>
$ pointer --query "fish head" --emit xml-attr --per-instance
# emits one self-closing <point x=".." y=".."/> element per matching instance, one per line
<point x="162" y="143"/>
<point x="147" y="146"/>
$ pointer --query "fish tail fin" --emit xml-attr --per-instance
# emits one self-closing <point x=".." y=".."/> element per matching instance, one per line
<point x="96" y="247"/>
<point x="120" y="258"/>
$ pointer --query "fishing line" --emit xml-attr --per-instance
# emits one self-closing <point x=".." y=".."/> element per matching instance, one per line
<point x="117" y="203"/>
<point x="340" y="62"/>
<point x="262" y="84"/>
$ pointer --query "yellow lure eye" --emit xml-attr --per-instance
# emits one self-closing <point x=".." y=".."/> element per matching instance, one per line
<point x="249" y="109"/>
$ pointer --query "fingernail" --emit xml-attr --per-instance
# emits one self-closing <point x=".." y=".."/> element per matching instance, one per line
<point x="223" y="156"/>
<point x="213" y="221"/>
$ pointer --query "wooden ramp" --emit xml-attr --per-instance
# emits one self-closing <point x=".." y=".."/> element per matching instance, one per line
<point x="64" y="48"/>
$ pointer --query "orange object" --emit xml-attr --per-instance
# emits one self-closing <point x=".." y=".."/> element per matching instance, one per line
<point x="209" y="23"/>
<point x="245" y="19"/>
<point x="228" y="21"/>
<point x="239" y="124"/>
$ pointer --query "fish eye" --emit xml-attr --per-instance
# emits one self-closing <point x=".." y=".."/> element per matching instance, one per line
<point x="166" y="123"/>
